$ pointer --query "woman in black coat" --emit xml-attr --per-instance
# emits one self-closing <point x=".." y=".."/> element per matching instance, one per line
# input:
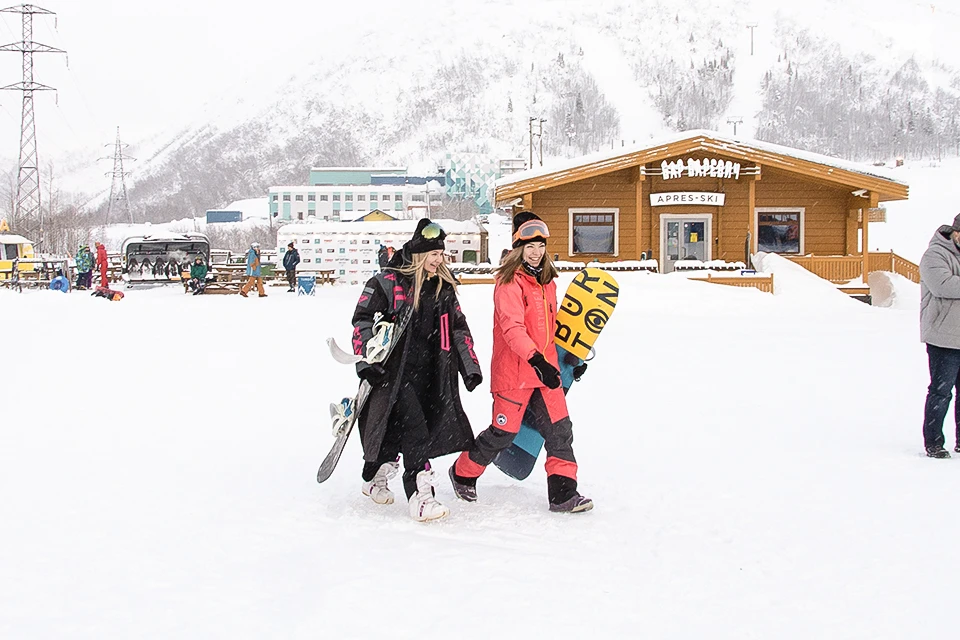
<point x="414" y="407"/>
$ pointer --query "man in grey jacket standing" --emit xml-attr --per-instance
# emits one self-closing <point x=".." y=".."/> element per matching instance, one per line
<point x="940" y="330"/>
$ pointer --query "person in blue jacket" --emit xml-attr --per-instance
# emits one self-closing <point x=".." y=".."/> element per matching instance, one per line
<point x="290" y="261"/>
<point x="253" y="272"/>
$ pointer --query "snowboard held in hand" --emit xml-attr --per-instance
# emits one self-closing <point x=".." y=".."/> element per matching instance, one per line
<point x="586" y="307"/>
<point x="345" y="413"/>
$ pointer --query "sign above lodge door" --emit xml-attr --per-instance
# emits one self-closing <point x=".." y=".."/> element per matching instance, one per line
<point x="706" y="168"/>
<point x="687" y="197"/>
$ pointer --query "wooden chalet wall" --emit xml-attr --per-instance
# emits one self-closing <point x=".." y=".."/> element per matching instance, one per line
<point x="615" y="189"/>
<point x="830" y="228"/>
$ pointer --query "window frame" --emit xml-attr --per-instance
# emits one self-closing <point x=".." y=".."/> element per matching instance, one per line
<point x="758" y="211"/>
<point x="572" y="212"/>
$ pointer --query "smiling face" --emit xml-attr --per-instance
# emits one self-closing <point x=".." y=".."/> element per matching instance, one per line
<point x="533" y="253"/>
<point x="432" y="260"/>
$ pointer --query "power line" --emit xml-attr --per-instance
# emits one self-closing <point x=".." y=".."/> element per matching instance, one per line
<point x="28" y="216"/>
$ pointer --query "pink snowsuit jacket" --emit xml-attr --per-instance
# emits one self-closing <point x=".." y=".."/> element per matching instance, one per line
<point x="524" y="318"/>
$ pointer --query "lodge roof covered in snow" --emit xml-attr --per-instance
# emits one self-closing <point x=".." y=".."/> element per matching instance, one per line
<point x="810" y="164"/>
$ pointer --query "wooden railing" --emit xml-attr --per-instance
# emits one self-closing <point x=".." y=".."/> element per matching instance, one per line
<point x="892" y="262"/>
<point x="763" y="283"/>
<point x="846" y="268"/>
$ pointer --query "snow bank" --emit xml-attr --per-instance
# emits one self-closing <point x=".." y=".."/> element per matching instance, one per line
<point x="793" y="281"/>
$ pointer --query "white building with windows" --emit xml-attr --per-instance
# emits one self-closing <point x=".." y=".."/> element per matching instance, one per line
<point x="345" y="193"/>
<point x="350" y="248"/>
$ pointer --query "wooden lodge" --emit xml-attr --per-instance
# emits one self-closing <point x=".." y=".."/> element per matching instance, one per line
<point x="701" y="196"/>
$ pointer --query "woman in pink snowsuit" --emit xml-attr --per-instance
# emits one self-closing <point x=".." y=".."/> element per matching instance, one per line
<point x="525" y="371"/>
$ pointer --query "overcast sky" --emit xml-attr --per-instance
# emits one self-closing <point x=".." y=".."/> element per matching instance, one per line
<point x="150" y="66"/>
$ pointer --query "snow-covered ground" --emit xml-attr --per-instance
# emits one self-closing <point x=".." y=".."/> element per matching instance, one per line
<point x="755" y="461"/>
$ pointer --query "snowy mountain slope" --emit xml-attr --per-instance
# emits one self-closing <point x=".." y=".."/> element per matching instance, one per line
<point x="749" y="483"/>
<point x="466" y="77"/>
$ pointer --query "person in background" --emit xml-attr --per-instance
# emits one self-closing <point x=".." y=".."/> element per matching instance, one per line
<point x="102" y="264"/>
<point x="383" y="257"/>
<point x="290" y="261"/>
<point x="253" y="273"/>
<point x="85" y="262"/>
<point x="198" y="276"/>
<point x="940" y="331"/>
<point x="525" y="371"/>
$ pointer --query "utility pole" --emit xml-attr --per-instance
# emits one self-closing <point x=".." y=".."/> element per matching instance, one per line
<point x="734" y="120"/>
<point x="119" y="174"/>
<point x="530" y="138"/>
<point x="28" y="217"/>
<point x="539" y="135"/>
<point x="751" y="26"/>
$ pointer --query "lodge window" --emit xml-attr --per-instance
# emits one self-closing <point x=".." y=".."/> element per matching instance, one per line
<point x="780" y="231"/>
<point x="323" y="198"/>
<point x="299" y="198"/>
<point x="311" y="198"/>
<point x="593" y="231"/>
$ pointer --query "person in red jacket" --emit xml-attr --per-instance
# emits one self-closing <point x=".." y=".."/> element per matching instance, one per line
<point x="102" y="265"/>
<point x="525" y="371"/>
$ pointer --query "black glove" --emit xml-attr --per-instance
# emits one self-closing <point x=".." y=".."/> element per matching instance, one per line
<point x="579" y="366"/>
<point x="547" y="373"/>
<point x="373" y="373"/>
<point x="472" y="381"/>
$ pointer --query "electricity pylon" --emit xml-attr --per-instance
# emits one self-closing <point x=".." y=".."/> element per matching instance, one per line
<point x="118" y="174"/>
<point x="28" y="217"/>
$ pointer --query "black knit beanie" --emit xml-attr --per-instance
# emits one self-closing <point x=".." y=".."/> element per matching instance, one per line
<point x="420" y="243"/>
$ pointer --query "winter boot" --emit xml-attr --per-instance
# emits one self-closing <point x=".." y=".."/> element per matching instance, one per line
<point x="562" y="492"/>
<point x="937" y="452"/>
<point x="956" y="449"/>
<point x="377" y="488"/>
<point x="465" y="488"/>
<point x="423" y="504"/>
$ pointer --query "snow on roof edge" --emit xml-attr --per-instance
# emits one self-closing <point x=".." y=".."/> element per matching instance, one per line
<point x="565" y="164"/>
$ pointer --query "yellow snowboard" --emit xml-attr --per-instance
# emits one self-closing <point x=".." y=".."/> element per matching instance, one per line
<point x="585" y="310"/>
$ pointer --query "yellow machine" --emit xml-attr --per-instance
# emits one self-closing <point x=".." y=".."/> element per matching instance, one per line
<point x="14" y="247"/>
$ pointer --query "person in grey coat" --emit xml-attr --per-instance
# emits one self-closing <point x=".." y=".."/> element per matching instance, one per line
<point x="940" y="330"/>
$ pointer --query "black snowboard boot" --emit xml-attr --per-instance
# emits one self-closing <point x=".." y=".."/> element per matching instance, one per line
<point x="465" y="488"/>
<point x="563" y="495"/>
<point x="937" y="452"/>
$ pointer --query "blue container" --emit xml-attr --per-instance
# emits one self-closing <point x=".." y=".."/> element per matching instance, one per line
<point x="306" y="285"/>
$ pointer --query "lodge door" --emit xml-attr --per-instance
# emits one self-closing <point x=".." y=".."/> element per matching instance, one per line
<point x="683" y="237"/>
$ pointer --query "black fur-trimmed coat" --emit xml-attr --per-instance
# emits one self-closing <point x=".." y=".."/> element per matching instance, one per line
<point x="454" y="354"/>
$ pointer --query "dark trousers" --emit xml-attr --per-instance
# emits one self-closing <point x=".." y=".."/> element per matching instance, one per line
<point x="944" y="377"/>
<point x="557" y="438"/>
<point x="407" y="433"/>
<point x="292" y="278"/>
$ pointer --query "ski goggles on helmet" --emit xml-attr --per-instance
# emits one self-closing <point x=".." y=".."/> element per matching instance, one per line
<point x="431" y="231"/>
<point x="532" y="229"/>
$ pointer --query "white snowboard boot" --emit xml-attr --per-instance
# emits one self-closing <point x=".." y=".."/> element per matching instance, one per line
<point x="423" y="504"/>
<point x="377" y="488"/>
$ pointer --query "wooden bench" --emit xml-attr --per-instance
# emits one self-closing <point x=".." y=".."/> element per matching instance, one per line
<point x="221" y="288"/>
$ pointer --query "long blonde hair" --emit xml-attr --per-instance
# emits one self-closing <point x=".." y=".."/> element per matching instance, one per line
<point x="513" y="261"/>
<point x="418" y="273"/>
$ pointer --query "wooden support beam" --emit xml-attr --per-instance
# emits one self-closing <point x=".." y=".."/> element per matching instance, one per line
<point x="752" y="214"/>
<point x="640" y="178"/>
